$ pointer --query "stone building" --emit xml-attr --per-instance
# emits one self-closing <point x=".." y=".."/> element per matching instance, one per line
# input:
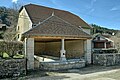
<point x="100" y="41"/>
<point x="53" y="32"/>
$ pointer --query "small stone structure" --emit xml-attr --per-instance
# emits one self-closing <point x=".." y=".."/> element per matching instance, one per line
<point x="12" y="67"/>
<point x="107" y="59"/>
<point x="57" y="65"/>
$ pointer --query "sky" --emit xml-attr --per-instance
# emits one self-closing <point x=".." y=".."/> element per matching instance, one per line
<point x="105" y="13"/>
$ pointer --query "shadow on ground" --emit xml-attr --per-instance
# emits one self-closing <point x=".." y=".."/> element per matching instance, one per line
<point x="91" y="69"/>
<point x="52" y="75"/>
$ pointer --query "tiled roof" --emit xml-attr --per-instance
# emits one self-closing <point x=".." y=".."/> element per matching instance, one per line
<point x="55" y="26"/>
<point x="39" y="13"/>
<point x="101" y="36"/>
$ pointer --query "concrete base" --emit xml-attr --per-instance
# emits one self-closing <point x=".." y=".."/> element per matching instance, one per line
<point x="58" y="65"/>
<point x="62" y="58"/>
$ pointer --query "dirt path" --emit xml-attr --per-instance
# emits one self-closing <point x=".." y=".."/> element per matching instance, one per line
<point x="88" y="73"/>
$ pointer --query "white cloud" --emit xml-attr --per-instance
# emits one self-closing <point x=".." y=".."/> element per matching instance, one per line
<point x="53" y="1"/>
<point x="14" y="1"/>
<point x="92" y="10"/>
<point x="92" y="2"/>
<point x="113" y="9"/>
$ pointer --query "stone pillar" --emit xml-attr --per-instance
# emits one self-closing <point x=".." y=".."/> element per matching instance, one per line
<point x="105" y="46"/>
<point x="113" y="45"/>
<point x="62" y="51"/>
<point x="29" y="52"/>
<point x="87" y="47"/>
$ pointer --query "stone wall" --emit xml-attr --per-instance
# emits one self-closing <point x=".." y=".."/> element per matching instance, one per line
<point x="39" y="48"/>
<point x="108" y="59"/>
<point x="12" y="67"/>
<point x="70" y="64"/>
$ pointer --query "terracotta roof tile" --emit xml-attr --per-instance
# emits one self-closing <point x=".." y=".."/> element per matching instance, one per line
<point x="55" y="26"/>
<point x="39" y="13"/>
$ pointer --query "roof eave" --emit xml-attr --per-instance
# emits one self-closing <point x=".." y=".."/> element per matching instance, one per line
<point x="60" y="36"/>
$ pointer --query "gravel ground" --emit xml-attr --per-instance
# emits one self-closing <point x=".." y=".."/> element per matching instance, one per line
<point x="87" y="73"/>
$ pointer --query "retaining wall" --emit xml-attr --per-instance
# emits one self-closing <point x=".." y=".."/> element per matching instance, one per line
<point x="12" y="67"/>
<point x="107" y="59"/>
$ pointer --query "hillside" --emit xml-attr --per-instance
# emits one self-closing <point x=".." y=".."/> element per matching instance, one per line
<point x="99" y="29"/>
<point x="8" y="16"/>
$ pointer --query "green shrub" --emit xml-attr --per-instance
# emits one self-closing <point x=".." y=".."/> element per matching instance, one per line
<point x="5" y="55"/>
<point x="18" y="56"/>
<point x="1" y="54"/>
<point x="11" y="48"/>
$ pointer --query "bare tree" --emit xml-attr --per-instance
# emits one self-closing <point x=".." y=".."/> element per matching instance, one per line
<point x="116" y="39"/>
<point x="9" y="34"/>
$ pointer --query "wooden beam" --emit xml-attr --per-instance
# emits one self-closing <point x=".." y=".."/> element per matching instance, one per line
<point x="55" y="37"/>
